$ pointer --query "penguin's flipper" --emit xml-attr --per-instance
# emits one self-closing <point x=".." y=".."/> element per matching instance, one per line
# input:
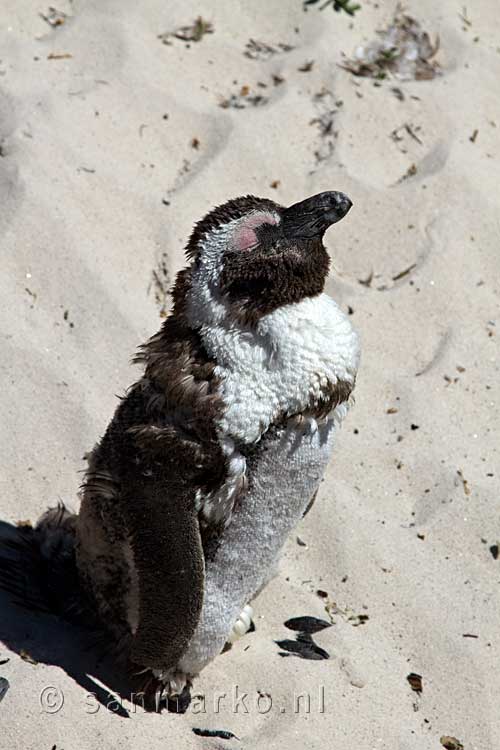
<point x="169" y="565"/>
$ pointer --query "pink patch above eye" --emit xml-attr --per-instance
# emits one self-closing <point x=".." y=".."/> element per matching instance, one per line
<point x="245" y="237"/>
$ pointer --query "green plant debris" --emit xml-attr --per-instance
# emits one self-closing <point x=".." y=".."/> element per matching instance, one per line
<point x="191" y="33"/>
<point x="338" y="5"/>
<point x="403" y="50"/>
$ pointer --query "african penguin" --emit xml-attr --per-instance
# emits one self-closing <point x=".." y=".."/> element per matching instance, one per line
<point x="217" y="451"/>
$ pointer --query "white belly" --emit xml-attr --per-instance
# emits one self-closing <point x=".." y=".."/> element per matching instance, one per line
<point x="283" y="475"/>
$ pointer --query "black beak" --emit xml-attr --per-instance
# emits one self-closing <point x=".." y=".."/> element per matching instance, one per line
<point x="312" y="217"/>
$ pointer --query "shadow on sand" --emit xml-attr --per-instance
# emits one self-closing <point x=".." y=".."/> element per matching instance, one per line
<point x="84" y="651"/>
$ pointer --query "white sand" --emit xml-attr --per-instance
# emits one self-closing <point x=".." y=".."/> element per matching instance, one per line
<point x="88" y="241"/>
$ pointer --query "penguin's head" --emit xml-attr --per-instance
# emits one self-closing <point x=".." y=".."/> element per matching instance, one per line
<point x="254" y="256"/>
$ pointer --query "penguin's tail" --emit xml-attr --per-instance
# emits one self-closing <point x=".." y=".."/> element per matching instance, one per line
<point x="38" y="571"/>
<point x="38" y="567"/>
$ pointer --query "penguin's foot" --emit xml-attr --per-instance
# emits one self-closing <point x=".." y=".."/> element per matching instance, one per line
<point x="172" y="684"/>
<point x="242" y="624"/>
<point x="306" y="424"/>
<point x="165" y="690"/>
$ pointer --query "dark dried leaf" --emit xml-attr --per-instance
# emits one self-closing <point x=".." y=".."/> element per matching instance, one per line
<point x="451" y="743"/>
<point x="4" y="686"/>
<point x="304" y="647"/>
<point x="221" y="734"/>
<point x="404" y="273"/>
<point x="307" y="624"/>
<point x="415" y="681"/>
<point x="346" y="5"/>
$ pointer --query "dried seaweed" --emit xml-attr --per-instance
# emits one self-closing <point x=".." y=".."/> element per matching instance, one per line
<point x="357" y="620"/>
<point x="161" y="284"/>
<point x="346" y="5"/>
<point x="408" y="128"/>
<point x="243" y="99"/>
<point x="465" y="483"/>
<point x="306" y="67"/>
<point x="410" y="172"/>
<point x="192" y="33"/>
<point x="403" y="50"/>
<point x="451" y="743"/>
<point x="54" y="17"/>
<point x="368" y="281"/>
<point x="327" y="107"/>
<point x="261" y="51"/>
<point x="404" y="272"/>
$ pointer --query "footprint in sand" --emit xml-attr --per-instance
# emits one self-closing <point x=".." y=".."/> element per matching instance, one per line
<point x="10" y="185"/>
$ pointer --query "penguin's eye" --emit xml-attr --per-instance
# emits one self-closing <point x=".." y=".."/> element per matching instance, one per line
<point x="250" y="231"/>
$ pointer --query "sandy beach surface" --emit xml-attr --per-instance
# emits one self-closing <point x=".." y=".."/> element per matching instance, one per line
<point x="112" y="144"/>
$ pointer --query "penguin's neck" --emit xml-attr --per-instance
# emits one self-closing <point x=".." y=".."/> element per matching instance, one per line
<point x="273" y="368"/>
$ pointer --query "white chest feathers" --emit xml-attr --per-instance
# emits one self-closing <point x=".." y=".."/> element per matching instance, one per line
<point x="275" y="369"/>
